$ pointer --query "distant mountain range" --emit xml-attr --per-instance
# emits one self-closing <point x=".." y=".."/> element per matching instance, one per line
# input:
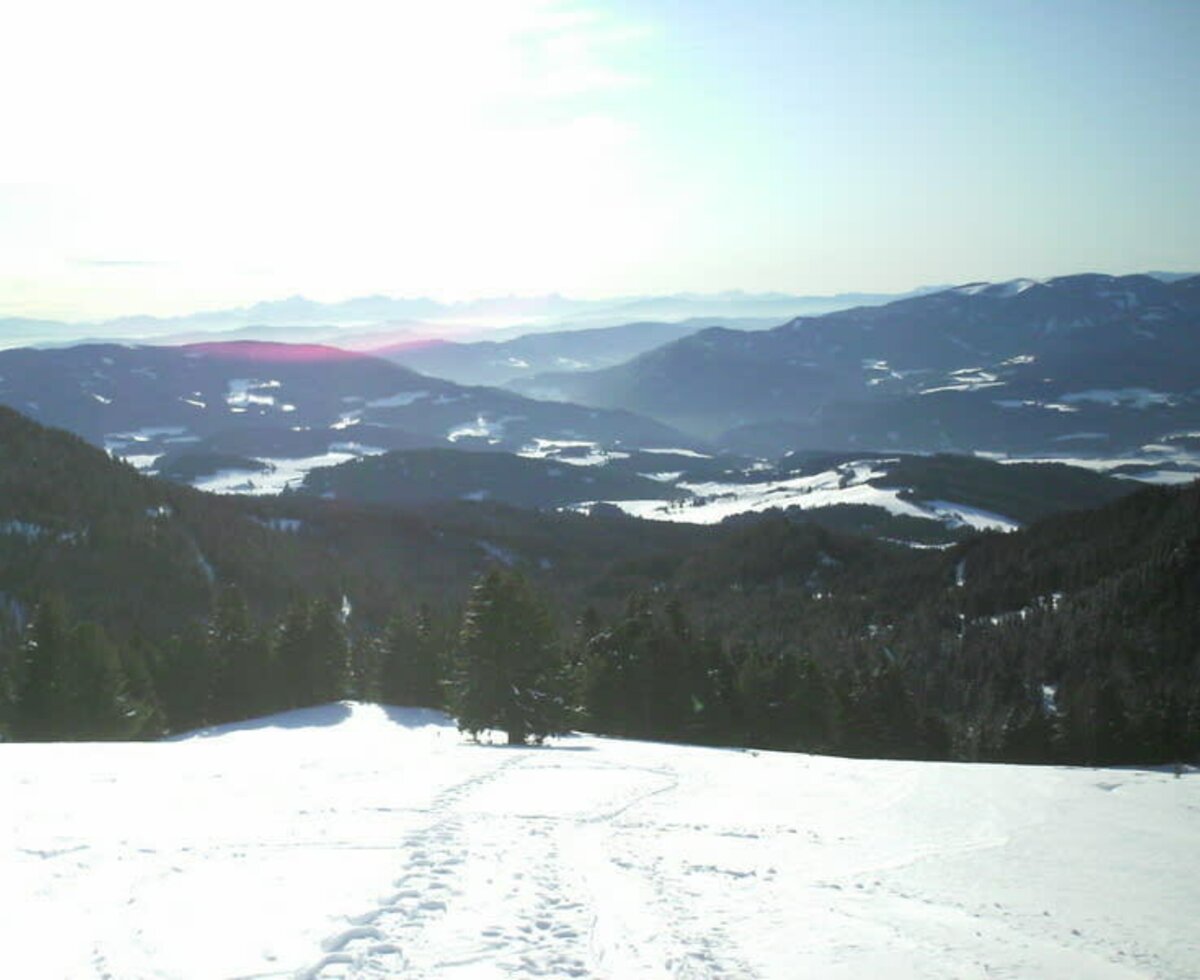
<point x="498" y="362"/>
<point x="677" y="421"/>
<point x="370" y="322"/>
<point x="1077" y="363"/>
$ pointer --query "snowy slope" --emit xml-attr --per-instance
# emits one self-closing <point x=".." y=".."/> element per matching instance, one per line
<point x="845" y="484"/>
<point x="359" y="841"/>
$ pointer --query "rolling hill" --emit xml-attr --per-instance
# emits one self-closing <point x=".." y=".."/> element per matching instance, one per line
<point x="265" y="401"/>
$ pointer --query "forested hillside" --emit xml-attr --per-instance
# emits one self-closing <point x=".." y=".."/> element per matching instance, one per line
<point x="135" y="607"/>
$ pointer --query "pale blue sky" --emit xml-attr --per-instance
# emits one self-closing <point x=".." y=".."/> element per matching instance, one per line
<point x="169" y="157"/>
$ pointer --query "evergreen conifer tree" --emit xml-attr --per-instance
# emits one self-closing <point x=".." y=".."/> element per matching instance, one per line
<point x="292" y="655"/>
<point x="100" y="704"/>
<point x="44" y="702"/>
<point x="411" y="673"/>
<point x="508" y="673"/>
<point x="181" y="678"/>
<point x="240" y="660"/>
<point x="329" y="653"/>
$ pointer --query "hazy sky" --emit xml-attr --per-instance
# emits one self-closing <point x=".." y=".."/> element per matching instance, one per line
<point x="171" y="155"/>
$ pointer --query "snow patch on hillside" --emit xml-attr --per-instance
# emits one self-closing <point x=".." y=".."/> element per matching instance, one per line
<point x="481" y="428"/>
<point x="282" y="474"/>
<point x="960" y="515"/>
<point x="967" y="379"/>
<point x="1141" y="398"/>
<point x="1013" y="287"/>
<point x="574" y="452"/>
<point x="689" y="453"/>
<point x="849" y="483"/>
<point x="1161" y="477"/>
<point x="399" y="400"/>
<point x="245" y="392"/>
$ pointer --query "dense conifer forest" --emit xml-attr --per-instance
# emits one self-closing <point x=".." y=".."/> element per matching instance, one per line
<point x="132" y="608"/>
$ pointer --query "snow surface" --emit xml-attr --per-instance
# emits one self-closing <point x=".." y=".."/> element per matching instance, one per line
<point x="399" y="400"/>
<point x="355" y="840"/>
<point x="115" y="441"/>
<point x="574" y="452"/>
<point x="140" y="461"/>
<point x="962" y="515"/>
<point x="481" y="428"/>
<point x="1014" y="287"/>
<point x="847" y="484"/>
<point x="967" y="379"/>
<point x="1184" y="465"/>
<point x="690" y="453"/>
<point x="244" y="392"/>
<point x="1141" y="398"/>
<point x="1033" y="403"/>
<point x="1161" y="477"/>
<point x="284" y="473"/>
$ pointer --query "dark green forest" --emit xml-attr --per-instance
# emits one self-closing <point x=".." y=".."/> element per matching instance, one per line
<point x="134" y="608"/>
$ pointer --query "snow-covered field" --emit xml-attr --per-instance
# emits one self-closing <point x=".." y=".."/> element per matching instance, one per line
<point x="353" y="840"/>
<point x="847" y="483"/>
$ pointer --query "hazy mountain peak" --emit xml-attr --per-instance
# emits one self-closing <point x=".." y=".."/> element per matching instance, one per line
<point x="271" y="352"/>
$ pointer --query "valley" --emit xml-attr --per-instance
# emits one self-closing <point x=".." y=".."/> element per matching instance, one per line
<point x="1094" y="372"/>
<point x="195" y="535"/>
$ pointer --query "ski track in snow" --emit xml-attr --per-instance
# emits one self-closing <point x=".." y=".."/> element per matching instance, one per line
<point x="587" y="892"/>
<point x="358" y="842"/>
<point x="482" y="863"/>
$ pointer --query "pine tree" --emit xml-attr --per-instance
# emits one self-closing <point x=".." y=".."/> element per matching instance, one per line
<point x="508" y="673"/>
<point x="329" y="651"/>
<point x="292" y="655"/>
<point x="75" y="683"/>
<point x="100" y="704"/>
<point x="43" y="709"/>
<point x="10" y="678"/>
<point x="182" y="678"/>
<point x="366" y="667"/>
<point x="411" y="672"/>
<point x="241" y="661"/>
<point x="145" y="712"/>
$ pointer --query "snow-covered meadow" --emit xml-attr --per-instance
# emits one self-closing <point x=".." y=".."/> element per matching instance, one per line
<point x="353" y="840"/>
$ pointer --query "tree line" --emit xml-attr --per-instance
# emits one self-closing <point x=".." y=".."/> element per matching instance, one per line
<point x="508" y="661"/>
<point x="502" y="663"/>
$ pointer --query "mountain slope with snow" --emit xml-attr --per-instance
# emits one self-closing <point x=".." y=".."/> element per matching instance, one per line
<point x="291" y="407"/>
<point x="1023" y="366"/>
<point x="353" y="840"/>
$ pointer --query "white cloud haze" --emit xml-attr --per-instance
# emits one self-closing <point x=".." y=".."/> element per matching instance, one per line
<point x="163" y="157"/>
